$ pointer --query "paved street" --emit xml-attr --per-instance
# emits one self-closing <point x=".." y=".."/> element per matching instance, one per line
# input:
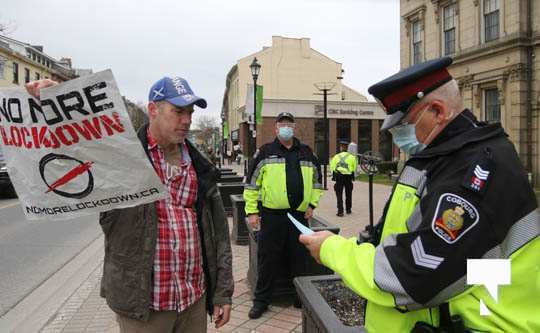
<point x="85" y="311"/>
<point x="31" y="251"/>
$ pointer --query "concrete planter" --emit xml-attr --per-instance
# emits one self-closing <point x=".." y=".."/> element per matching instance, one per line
<point x="230" y="179"/>
<point x="239" y="230"/>
<point x="283" y="287"/>
<point x="317" y="315"/>
<point x="226" y="189"/>
<point x="227" y="172"/>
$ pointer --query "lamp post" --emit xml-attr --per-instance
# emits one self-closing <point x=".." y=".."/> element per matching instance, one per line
<point x="325" y="87"/>
<point x="221" y="141"/>
<point x="255" y="70"/>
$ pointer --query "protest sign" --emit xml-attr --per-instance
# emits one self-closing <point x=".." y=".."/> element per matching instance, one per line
<point x="74" y="151"/>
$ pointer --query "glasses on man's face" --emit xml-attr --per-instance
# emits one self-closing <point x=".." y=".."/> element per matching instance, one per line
<point x="285" y="124"/>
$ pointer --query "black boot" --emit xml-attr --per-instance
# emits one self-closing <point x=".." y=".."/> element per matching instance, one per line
<point x="257" y="310"/>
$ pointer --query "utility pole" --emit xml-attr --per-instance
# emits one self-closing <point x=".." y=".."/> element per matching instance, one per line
<point x="325" y="87"/>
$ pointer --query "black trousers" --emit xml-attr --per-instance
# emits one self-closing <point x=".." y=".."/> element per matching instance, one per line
<point x="344" y="182"/>
<point x="278" y="245"/>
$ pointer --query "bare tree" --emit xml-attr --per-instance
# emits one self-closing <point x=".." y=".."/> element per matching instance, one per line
<point x="7" y="27"/>
<point x="207" y="127"/>
<point x="137" y="114"/>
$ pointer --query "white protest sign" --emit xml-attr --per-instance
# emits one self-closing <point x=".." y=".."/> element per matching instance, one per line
<point x="74" y="152"/>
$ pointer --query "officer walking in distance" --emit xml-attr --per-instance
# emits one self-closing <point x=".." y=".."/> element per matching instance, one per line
<point x="343" y="167"/>
<point x="463" y="194"/>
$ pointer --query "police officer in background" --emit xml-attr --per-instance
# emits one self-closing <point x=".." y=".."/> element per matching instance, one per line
<point x="287" y="177"/>
<point x="463" y="194"/>
<point x="343" y="167"/>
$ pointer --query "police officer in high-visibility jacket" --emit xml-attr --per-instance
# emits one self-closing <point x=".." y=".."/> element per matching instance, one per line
<point x="343" y="167"/>
<point x="286" y="176"/>
<point x="463" y="194"/>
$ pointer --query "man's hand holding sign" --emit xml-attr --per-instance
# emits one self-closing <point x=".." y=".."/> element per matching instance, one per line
<point x="72" y="151"/>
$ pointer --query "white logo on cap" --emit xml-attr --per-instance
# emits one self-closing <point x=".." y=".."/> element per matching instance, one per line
<point x="179" y="86"/>
<point x="158" y="93"/>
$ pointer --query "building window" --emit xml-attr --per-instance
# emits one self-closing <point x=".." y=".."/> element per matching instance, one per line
<point x="26" y="75"/>
<point x="492" y="105"/>
<point x="38" y="76"/>
<point x="343" y="131"/>
<point x="449" y="29"/>
<point x="34" y="56"/>
<point x="2" y="67"/>
<point x="15" y="73"/>
<point x="491" y="20"/>
<point x="417" y="42"/>
<point x="364" y="135"/>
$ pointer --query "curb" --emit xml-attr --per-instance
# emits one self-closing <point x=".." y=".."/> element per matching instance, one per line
<point x="36" y="309"/>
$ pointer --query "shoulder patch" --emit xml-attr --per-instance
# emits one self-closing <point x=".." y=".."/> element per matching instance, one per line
<point x="453" y="217"/>
<point x="479" y="174"/>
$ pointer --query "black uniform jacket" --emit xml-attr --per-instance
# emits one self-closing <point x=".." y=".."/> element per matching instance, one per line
<point x="475" y="202"/>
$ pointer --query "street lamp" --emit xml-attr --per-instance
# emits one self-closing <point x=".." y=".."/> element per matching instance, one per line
<point x="325" y="87"/>
<point x="222" y="142"/>
<point x="255" y="70"/>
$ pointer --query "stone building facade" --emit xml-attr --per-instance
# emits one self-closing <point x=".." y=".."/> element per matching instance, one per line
<point x="22" y="62"/>
<point x="495" y="45"/>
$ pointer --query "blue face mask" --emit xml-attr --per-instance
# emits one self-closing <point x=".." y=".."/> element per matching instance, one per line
<point x="404" y="136"/>
<point x="286" y="133"/>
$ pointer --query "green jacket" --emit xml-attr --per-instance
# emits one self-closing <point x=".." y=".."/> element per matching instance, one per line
<point x="344" y="163"/>
<point x="267" y="178"/>
<point x="464" y="197"/>
<point x="130" y="242"/>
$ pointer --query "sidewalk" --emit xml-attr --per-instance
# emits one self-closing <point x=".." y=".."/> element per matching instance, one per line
<point x="86" y="311"/>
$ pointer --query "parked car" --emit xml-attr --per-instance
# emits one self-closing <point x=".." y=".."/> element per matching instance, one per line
<point x="6" y="187"/>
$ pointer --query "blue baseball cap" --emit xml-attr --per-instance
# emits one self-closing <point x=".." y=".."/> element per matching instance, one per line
<point x="176" y="91"/>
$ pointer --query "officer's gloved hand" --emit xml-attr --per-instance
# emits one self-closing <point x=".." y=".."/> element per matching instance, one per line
<point x="369" y="235"/>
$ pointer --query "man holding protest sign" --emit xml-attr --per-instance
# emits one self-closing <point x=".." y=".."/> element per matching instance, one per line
<point x="168" y="261"/>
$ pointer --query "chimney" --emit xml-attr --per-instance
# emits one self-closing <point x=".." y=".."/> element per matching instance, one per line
<point x="306" y="48"/>
<point x="66" y="62"/>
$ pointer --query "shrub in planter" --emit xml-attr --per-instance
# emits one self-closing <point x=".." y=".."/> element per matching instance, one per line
<point x="387" y="167"/>
<point x="329" y="306"/>
<point x="283" y="286"/>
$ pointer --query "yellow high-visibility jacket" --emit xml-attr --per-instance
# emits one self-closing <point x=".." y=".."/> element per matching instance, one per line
<point x="267" y="178"/>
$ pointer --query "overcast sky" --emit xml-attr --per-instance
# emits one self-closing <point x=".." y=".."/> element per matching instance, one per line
<point x="141" y="41"/>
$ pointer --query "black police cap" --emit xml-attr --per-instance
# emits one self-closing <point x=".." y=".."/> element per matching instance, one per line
<point x="399" y="92"/>
<point x="284" y="115"/>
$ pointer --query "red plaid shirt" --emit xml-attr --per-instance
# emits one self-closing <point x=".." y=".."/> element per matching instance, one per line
<point x="178" y="265"/>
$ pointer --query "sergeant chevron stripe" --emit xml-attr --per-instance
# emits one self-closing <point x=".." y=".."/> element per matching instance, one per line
<point x="423" y="259"/>
<point x="481" y="173"/>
